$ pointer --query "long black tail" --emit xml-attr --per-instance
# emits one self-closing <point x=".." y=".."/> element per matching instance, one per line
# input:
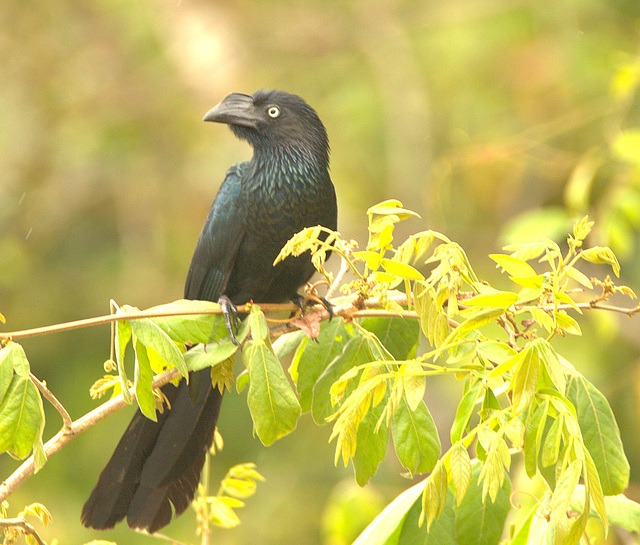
<point x="157" y="465"/>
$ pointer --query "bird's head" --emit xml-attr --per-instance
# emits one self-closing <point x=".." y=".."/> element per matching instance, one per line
<point x="274" y="121"/>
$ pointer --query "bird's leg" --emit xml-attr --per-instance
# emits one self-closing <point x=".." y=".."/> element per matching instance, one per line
<point x="230" y="313"/>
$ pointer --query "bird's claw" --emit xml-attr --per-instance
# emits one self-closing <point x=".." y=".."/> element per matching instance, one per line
<point x="302" y="302"/>
<point x="230" y="313"/>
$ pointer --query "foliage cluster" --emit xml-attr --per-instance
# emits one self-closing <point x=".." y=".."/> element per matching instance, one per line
<point x="409" y="311"/>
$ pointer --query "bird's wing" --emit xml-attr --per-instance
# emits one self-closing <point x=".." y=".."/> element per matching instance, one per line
<point x="218" y="244"/>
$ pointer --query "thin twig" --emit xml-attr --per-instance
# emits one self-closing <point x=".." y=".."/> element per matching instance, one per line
<point x="108" y="318"/>
<point x="74" y="429"/>
<point x="24" y="526"/>
<point x="48" y="394"/>
<point x="344" y="269"/>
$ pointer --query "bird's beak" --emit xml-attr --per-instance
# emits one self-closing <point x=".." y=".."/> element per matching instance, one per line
<point x="235" y="109"/>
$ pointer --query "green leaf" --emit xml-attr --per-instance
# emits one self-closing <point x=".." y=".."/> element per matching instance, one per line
<point x="552" y="365"/>
<point x="355" y="352"/>
<point x="312" y="360"/>
<point x="21" y="411"/>
<point x="601" y="254"/>
<point x="143" y="379"/>
<point x="122" y="338"/>
<point x="285" y="344"/>
<point x="501" y="299"/>
<point x="400" y="336"/>
<point x="600" y="434"/>
<point x="208" y="355"/>
<point x="479" y="522"/>
<point x="471" y="523"/>
<point x="193" y="328"/>
<point x="415" y="437"/>
<point x="258" y="324"/>
<point x="464" y="411"/>
<point x="273" y="405"/>
<point x="525" y="378"/>
<point x="401" y="270"/>
<point x="551" y="447"/>
<point x="151" y="336"/>
<point x="12" y="357"/>
<point x="371" y="445"/>
<point x="531" y="443"/>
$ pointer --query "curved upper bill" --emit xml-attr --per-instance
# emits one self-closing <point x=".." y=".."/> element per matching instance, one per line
<point x="235" y="109"/>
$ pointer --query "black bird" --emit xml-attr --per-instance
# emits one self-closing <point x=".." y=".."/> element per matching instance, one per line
<point x="284" y="188"/>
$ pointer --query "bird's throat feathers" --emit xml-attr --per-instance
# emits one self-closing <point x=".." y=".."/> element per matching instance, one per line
<point x="291" y="165"/>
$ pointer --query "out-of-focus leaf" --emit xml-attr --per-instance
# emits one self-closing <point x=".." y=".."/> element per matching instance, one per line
<point x="626" y="146"/>
<point x="621" y="511"/>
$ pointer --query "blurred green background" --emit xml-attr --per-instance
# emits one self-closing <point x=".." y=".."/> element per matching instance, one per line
<point x="496" y="120"/>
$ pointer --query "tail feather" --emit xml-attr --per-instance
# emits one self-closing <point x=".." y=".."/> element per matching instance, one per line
<point x="156" y="466"/>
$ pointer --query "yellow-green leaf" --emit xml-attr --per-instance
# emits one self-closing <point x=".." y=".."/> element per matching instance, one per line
<point x="400" y="269"/>
<point x="460" y="465"/>
<point x="516" y="268"/>
<point x="602" y="254"/>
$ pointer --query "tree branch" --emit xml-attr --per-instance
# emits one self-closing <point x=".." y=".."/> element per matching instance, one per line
<point x="75" y="428"/>
<point x="48" y="394"/>
<point x="24" y="526"/>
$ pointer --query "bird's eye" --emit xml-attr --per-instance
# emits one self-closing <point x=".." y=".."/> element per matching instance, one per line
<point x="273" y="111"/>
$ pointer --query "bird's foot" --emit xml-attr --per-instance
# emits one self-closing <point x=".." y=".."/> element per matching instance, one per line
<point x="309" y="300"/>
<point x="230" y="313"/>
